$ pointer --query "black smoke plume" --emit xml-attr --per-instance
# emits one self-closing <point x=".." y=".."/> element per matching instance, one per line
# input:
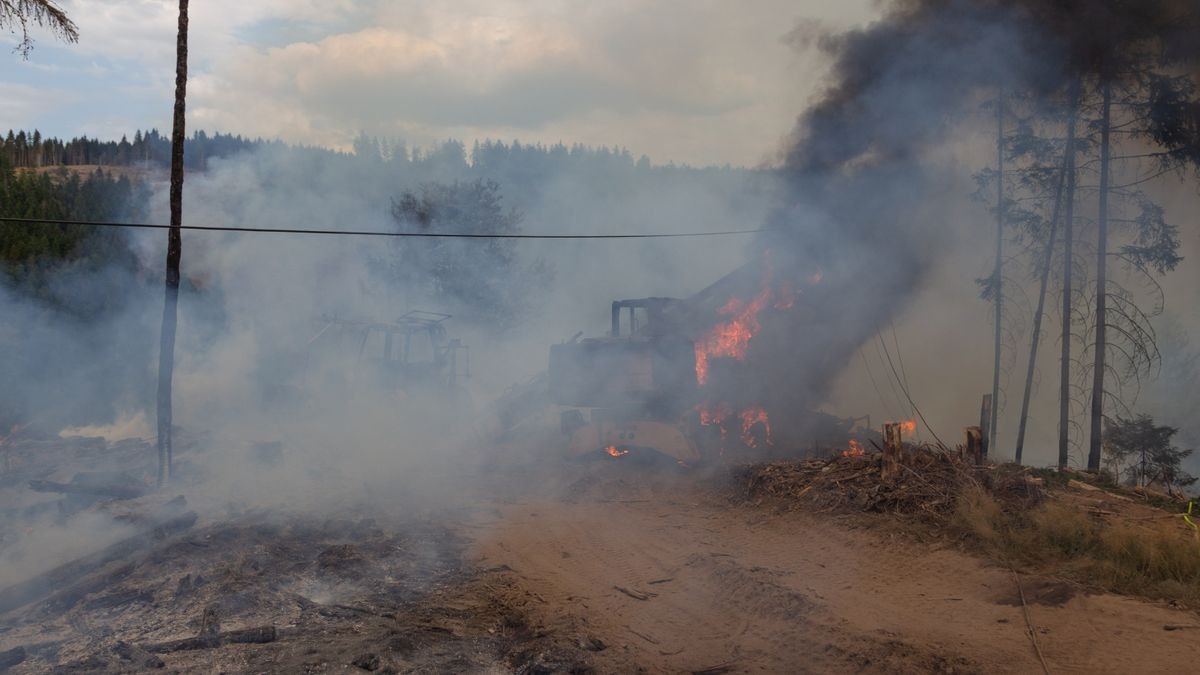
<point x="864" y="194"/>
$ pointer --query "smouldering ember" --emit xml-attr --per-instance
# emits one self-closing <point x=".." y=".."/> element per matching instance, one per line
<point x="747" y="419"/>
<point x="613" y="451"/>
<point x="716" y="415"/>
<point x="855" y="449"/>
<point x="750" y="417"/>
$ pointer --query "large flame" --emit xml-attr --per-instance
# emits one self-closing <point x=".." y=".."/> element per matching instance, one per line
<point x="730" y="338"/>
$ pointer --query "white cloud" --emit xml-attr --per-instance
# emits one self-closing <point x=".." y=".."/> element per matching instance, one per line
<point x="21" y="103"/>
<point x="700" y="81"/>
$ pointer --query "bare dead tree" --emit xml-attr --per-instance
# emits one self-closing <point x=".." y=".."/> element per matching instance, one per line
<point x="998" y="289"/>
<point x="1098" y="370"/>
<point x="18" y="15"/>
<point x="166" y="355"/>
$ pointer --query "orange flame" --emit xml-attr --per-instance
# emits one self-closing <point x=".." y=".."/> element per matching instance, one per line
<point x="787" y="296"/>
<point x="908" y="426"/>
<point x="856" y="449"/>
<point x="721" y="413"/>
<point x="730" y="338"/>
<point x="614" y="452"/>
<point x="750" y="417"/>
<point x="711" y="416"/>
<point x="815" y="278"/>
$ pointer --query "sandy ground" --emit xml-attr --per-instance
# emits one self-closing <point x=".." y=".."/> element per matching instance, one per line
<point x="550" y="567"/>
<point x="714" y="588"/>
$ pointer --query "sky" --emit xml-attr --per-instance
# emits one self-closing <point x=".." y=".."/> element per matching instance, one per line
<point x="688" y="81"/>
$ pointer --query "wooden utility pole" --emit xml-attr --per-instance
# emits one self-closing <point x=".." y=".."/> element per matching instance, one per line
<point x="166" y="354"/>
<point x="1097" y="416"/>
<point x="997" y="288"/>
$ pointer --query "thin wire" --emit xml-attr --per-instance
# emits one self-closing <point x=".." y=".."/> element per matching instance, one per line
<point x="890" y="380"/>
<point x="886" y="407"/>
<point x="896" y="341"/>
<point x="909" y="397"/>
<point x="379" y="233"/>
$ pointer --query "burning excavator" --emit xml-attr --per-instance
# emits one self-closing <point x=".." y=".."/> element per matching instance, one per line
<point x="671" y="378"/>
<point x="631" y="391"/>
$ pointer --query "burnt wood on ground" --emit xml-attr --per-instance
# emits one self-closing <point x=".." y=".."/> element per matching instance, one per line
<point x="256" y="635"/>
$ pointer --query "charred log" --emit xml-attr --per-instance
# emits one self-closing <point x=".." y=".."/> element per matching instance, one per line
<point x="256" y="635"/>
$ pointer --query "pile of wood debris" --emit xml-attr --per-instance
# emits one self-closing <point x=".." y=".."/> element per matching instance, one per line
<point x="923" y="481"/>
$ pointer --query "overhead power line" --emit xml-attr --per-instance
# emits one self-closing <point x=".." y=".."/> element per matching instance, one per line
<point x="906" y="392"/>
<point x="380" y="233"/>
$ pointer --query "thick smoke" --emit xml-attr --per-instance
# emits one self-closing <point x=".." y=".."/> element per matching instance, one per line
<point x="273" y="413"/>
<point x="870" y="193"/>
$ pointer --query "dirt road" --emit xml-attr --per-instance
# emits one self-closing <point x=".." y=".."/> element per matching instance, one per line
<point x="679" y="582"/>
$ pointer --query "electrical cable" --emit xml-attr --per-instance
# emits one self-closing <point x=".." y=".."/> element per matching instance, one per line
<point x="899" y="398"/>
<point x="379" y="233"/>
<point x="882" y="400"/>
<point x="909" y="397"/>
<point x="899" y="357"/>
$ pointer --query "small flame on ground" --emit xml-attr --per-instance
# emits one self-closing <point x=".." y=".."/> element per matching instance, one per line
<point x="855" y="449"/>
<point x="613" y="451"/>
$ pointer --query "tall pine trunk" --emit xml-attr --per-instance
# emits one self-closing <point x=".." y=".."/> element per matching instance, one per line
<point x="1041" y="304"/>
<point x="166" y="353"/>
<point x="1097" y="417"/>
<point x="997" y="288"/>
<point x="1064" y="390"/>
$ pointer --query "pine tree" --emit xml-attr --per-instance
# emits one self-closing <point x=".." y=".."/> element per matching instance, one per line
<point x="166" y="356"/>
<point x="18" y="15"/>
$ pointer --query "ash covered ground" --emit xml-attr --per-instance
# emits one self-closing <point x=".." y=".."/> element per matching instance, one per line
<point x="530" y="564"/>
